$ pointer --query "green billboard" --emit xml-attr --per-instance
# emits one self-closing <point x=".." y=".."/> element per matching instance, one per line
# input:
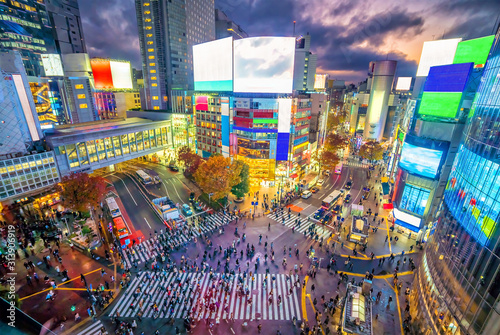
<point x="475" y="50"/>
<point x="440" y="104"/>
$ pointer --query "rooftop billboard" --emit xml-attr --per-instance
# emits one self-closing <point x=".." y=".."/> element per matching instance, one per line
<point x="441" y="52"/>
<point x="213" y="65"/>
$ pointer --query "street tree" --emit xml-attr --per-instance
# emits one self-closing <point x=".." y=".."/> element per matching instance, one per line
<point x="218" y="175"/>
<point x="335" y="119"/>
<point x="243" y="187"/>
<point x="190" y="160"/>
<point x="79" y="191"/>
<point x="371" y="150"/>
<point x="335" y="142"/>
<point x="327" y="159"/>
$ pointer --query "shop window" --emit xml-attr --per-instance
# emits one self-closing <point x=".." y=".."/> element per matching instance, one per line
<point x="414" y="199"/>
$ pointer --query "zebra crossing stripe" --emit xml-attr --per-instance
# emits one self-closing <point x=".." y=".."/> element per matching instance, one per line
<point x="93" y="329"/>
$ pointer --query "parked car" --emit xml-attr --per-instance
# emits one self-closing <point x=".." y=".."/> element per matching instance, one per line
<point x="187" y="210"/>
<point x="306" y="194"/>
<point x="327" y="218"/>
<point x="347" y="199"/>
<point x="348" y="185"/>
<point x="191" y="197"/>
<point x="321" y="182"/>
<point x="315" y="189"/>
<point x="327" y="173"/>
<point x="319" y="213"/>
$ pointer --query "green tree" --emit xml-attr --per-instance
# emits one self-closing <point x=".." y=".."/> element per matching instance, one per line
<point x="79" y="191"/>
<point x="243" y="187"/>
<point x="218" y="175"/>
<point x="190" y="160"/>
<point x="371" y="150"/>
<point x="326" y="159"/>
<point x="335" y="142"/>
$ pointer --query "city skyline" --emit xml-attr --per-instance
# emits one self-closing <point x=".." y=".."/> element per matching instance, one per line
<point x="345" y="37"/>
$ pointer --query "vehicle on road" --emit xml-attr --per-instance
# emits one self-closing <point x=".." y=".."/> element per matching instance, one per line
<point x="144" y="177"/>
<point x="338" y="168"/>
<point x="191" y="197"/>
<point x="331" y="200"/>
<point x="315" y="189"/>
<point x="197" y="206"/>
<point x="319" y="213"/>
<point x="306" y="194"/>
<point x="336" y="209"/>
<point x="120" y="227"/>
<point x="187" y="210"/>
<point x="174" y="168"/>
<point x="348" y="185"/>
<point x="347" y="199"/>
<point x="113" y="207"/>
<point x="326" y="219"/>
<point x="321" y="182"/>
<point x="326" y="173"/>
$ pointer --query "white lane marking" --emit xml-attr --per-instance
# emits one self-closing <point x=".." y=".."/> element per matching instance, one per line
<point x="127" y="189"/>
<point x="147" y="223"/>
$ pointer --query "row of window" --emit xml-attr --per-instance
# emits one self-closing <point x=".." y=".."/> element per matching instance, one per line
<point x="23" y="46"/>
<point x="209" y="141"/>
<point x="19" y="21"/>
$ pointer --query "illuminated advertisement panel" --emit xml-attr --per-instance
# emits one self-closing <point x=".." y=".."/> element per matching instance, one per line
<point x="319" y="81"/>
<point x="122" y="74"/>
<point x="403" y="84"/>
<point x="101" y="69"/>
<point x="201" y="102"/>
<point x="441" y="104"/>
<point x="448" y="78"/>
<point x="213" y="65"/>
<point x="264" y="64"/>
<point x="412" y="222"/>
<point x="435" y="53"/>
<point x="475" y="50"/>
<point x="422" y="157"/>
<point x="52" y="65"/>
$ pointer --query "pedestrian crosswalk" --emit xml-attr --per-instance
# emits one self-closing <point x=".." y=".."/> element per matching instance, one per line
<point x="356" y="163"/>
<point x="271" y="297"/>
<point x="92" y="329"/>
<point x="147" y="249"/>
<point x="291" y="220"/>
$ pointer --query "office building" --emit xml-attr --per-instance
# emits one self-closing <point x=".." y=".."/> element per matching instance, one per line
<point x="25" y="166"/>
<point x="457" y="285"/>
<point x="66" y="23"/>
<point x="305" y="64"/>
<point x="167" y="32"/>
<point x="225" y="27"/>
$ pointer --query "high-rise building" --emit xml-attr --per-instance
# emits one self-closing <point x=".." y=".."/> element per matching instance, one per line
<point x="457" y="285"/>
<point x="225" y="27"/>
<point x="66" y="23"/>
<point x="167" y="32"/>
<point x="305" y="64"/>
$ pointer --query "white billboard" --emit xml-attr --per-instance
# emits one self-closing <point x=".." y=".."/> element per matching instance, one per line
<point x="121" y="73"/>
<point x="264" y="64"/>
<point x="52" y="65"/>
<point x="434" y="53"/>
<point x="403" y="84"/>
<point x="319" y="81"/>
<point x="284" y="115"/>
<point x="213" y="65"/>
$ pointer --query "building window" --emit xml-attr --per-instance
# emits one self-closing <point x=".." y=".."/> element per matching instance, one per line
<point x="152" y="64"/>
<point x="147" y="12"/>
<point x="151" y="50"/>
<point x="149" y="35"/>
<point x="152" y="71"/>
<point x="148" y="28"/>
<point x="154" y="84"/>
<point x="151" y="57"/>
<point x="155" y="98"/>
<point x="147" y="20"/>
<point x="150" y="42"/>
<point x="414" y="199"/>
<point x="83" y="105"/>
<point x="156" y="107"/>
<point x="153" y="78"/>
<point x="146" y="4"/>
<point x="79" y="86"/>
<point x="81" y="96"/>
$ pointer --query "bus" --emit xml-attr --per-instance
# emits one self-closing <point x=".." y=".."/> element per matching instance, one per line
<point x="121" y="228"/>
<point x="144" y="177"/>
<point x="331" y="200"/>
<point x="338" y="168"/>
<point x="113" y="207"/>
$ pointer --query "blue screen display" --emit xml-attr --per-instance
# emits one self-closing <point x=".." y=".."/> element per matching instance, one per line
<point x="448" y="78"/>
<point x="421" y="161"/>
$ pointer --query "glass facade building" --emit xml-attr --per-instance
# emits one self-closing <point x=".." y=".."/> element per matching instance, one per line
<point x="457" y="286"/>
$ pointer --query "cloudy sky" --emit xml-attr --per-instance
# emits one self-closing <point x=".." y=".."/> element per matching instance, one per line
<point x="346" y="34"/>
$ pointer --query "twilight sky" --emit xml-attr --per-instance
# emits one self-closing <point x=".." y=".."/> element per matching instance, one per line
<point x="345" y="34"/>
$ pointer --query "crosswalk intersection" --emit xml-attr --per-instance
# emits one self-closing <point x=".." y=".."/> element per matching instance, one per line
<point x="146" y="250"/>
<point x="229" y="303"/>
<point x="357" y="163"/>
<point x="93" y="329"/>
<point x="290" y="222"/>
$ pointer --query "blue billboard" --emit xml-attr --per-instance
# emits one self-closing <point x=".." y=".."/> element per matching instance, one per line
<point x="448" y="78"/>
<point x="421" y="161"/>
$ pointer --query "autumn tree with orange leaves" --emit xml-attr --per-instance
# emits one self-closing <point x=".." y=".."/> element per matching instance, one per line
<point x="190" y="160"/>
<point x="218" y="175"/>
<point x="79" y="191"/>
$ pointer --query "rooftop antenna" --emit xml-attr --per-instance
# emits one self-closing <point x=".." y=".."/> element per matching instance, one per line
<point x="294" y="27"/>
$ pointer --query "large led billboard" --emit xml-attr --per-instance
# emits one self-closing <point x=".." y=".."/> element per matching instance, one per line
<point x="475" y="51"/>
<point x="264" y="64"/>
<point x="52" y="65"/>
<point x="419" y="160"/>
<point x="440" y="104"/>
<point x="101" y="68"/>
<point x="319" y="81"/>
<point x="441" y="52"/>
<point x="403" y="84"/>
<point x="122" y="75"/>
<point x="213" y="65"/>
<point x="448" y="78"/>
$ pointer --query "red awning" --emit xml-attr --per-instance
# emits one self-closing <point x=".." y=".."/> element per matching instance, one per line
<point x="294" y="175"/>
<point x="388" y="206"/>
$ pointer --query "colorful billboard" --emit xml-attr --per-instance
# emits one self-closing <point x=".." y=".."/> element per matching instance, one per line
<point x="122" y="75"/>
<point x="422" y="161"/>
<point x="101" y="68"/>
<point x="440" y="104"/>
<point x="111" y="74"/>
<point x="264" y="64"/>
<point x="52" y="65"/>
<point x="475" y="51"/>
<point x="213" y="65"/>
<point x="441" y="52"/>
<point x="403" y="84"/>
<point x="319" y="81"/>
<point x="448" y="78"/>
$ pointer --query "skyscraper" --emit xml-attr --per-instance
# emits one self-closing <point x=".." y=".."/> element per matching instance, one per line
<point x="167" y="31"/>
<point x="304" y="69"/>
<point x="225" y="27"/>
<point x="457" y="286"/>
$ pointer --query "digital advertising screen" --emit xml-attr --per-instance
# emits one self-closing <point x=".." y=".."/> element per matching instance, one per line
<point x="448" y="78"/>
<point x="440" y="104"/>
<point x="101" y="69"/>
<point x="319" y="81"/>
<point x="475" y="51"/>
<point x="403" y="84"/>
<point x="441" y="52"/>
<point x="122" y="75"/>
<point x="52" y="65"/>
<point x="421" y="161"/>
<point x="264" y="64"/>
<point x="213" y="65"/>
